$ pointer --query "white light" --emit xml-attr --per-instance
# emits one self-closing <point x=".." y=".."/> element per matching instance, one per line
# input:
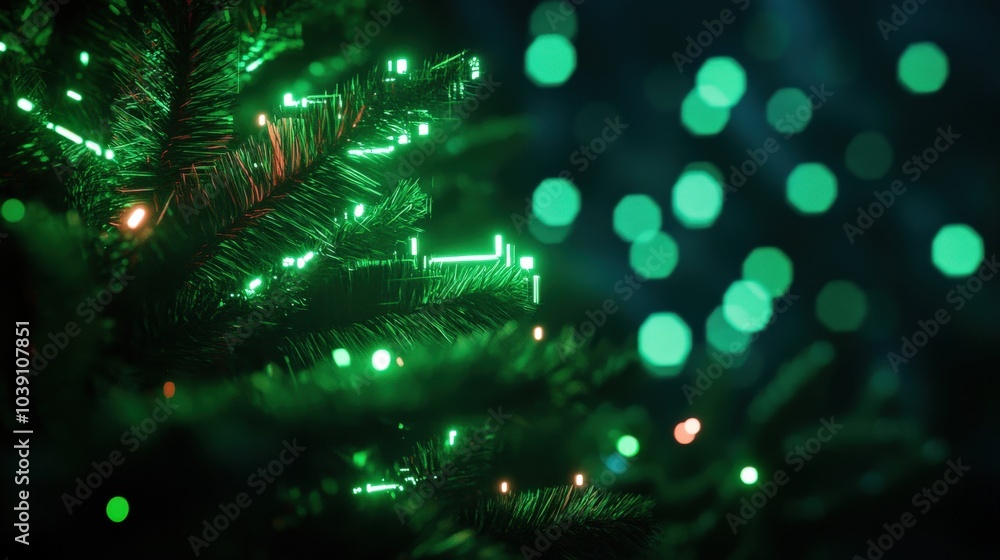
<point x="289" y="100"/>
<point x="579" y="480"/>
<point x="401" y="66"/>
<point x="503" y="487"/>
<point x="136" y="218"/>
<point x="255" y="283"/>
<point x="538" y="333"/>
<point x="359" y="210"/>
<point x="423" y="129"/>
<point x="108" y="154"/>
<point x="261" y="119"/>
<point x="527" y="263"/>
<point x="74" y="95"/>
<point x="404" y="139"/>
<point x="25" y="105"/>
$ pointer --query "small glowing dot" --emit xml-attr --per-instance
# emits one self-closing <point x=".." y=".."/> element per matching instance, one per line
<point x="503" y="488"/>
<point x="84" y="58"/>
<point x="135" y="219"/>
<point x="399" y="362"/>
<point x="628" y="446"/>
<point x="538" y="333"/>
<point x="748" y="475"/>
<point x="109" y="154"/>
<point x="681" y="435"/>
<point x="261" y="119"/>
<point x="169" y="389"/>
<point x="692" y="426"/>
<point x="25" y="105"/>
<point x="381" y="360"/>
<point x="117" y="509"/>
<point x="342" y="357"/>
<point x="579" y="480"/>
<point x="74" y="95"/>
<point x="12" y="210"/>
<point x="359" y="210"/>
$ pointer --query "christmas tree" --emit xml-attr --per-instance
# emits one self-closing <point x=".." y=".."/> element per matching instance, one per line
<point x="241" y="332"/>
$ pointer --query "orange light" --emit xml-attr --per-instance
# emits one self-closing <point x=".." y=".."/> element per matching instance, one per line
<point x="136" y="217"/>
<point x="681" y="435"/>
<point x="503" y="487"/>
<point x="538" y="333"/>
<point x="169" y="389"/>
<point x="579" y="480"/>
<point x="692" y="426"/>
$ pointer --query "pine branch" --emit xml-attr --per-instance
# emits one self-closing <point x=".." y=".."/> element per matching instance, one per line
<point x="579" y="524"/>
<point x="176" y="78"/>
<point x="400" y="305"/>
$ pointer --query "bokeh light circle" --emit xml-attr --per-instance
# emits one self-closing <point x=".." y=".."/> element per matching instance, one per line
<point x="636" y="214"/>
<point x="553" y="17"/>
<point x="789" y="111"/>
<point x="681" y="435"/>
<point x="868" y="156"/>
<point x="692" y="426"/>
<point x="923" y="68"/>
<point x="697" y="199"/>
<point x="957" y="250"/>
<point x="12" y="210"/>
<point x="654" y="255"/>
<point x="117" y="509"/>
<point x="746" y="305"/>
<point x="811" y="188"/>
<point x="700" y="118"/>
<point x="723" y="336"/>
<point x="664" y="340"/>
<point x="550" y="60"/>
<point x="841" y="306"/>
<point x="555" y="202"/>
<point x="748" y="475"/>
<point x="628" y="446"/>
<point x="721" y="81"/>
<point x="771" y="268"/>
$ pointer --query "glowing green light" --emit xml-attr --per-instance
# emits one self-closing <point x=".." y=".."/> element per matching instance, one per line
<point x="628" y="446"/>
<point x="401" y="66"/>
<point x="423" y="129"/>
<point x="700" y="118"/>
<point x="722" y="336"/>
<point x="869" y="156"/>
<point x="841" y="306"/>
<point x="74" y="95"/>
<point x="117" y="509"/>
<point x="25" y="105"/>
<point x="359" y="210"/>
<point x="550" y="60"/>
<point x="342" y="357"/>
<point x="664" y="340"/>
<point x="381" y="360"/>
<point x="636" y="214"/>
<point x="289" y="100"/>
<point x="654" y="255"/>
<point x="3" y="46"/>
<point x="404" y="139"/>
<point x="467" y="258"/>
<point x="811" y="188"/>
<point x="84" y="58"/>
<point x="12" y="210"/>
<point x="957" y="250"/>
<point x="527" y="263"/>
<point x="555" y="202"/>
<point x="255" y="65"/>
<point x="300" y="262"/>
<point x="551" y="17"/>
<point x="308" y="256"/>
<point x="68" y="134"/>
<point x="413" y="246"/>
<point x="360" y="458"/>
<point x="255" y="283"/>
<point x="109" y="154"/>
<point x="748" y="475"/>
<point x="93" y="146"/>
<point x="287" y="261"/>
<point x="451" y="437"/>
<point x="771" y="268"/>
<point x="789" y="111"/>
<point x="721" y="81"/>
<point x="923" y="68"/>
<point x="498" y="245"/>
<point x="697" y="199"/>
<point x="381" y="487"/>
<point x="746" y="305"/>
